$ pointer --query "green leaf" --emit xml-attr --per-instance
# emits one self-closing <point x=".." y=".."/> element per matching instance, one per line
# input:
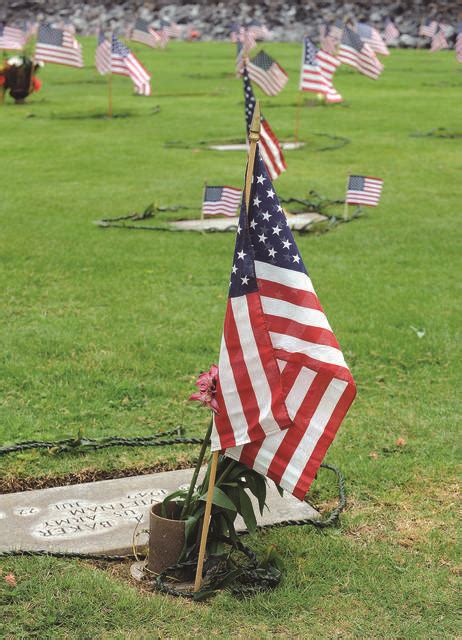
<point x="247" y="512"/>
<point x="220" y="499"/>
<point x="257" y="485"/>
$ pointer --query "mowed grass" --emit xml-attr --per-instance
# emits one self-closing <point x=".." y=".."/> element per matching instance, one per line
<point x="105" y="330"/>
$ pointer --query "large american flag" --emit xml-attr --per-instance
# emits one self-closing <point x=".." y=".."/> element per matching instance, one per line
<point x="267" y="73"/>
<point x="12" y="38"/>
<point x="125" y="63"/>
<point x="283" y="384"/>
<point x="270" y="148"/>
<point x="145" y="34"/>
<point x="372" y="37"/>
<point x="428" y="28"/>
<point x="439" y="41"/>
<point x="58" y="46"/>
<point x="391" y="31"/>
<point x="103" y="54"/>
<point x="357" y="54"/>
<point x="221" y="201"/>
<point x="364" y="190"/>
<point x="459" y="43"/>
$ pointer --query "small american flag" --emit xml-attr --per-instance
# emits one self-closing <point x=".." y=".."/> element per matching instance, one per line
<point x="311" y="76"/>
<point x="459" y="43"/>
<point x="244" y="44"/>
<point x="267" y="73"/>
<point x="357" y="54"/>
<point x="125" y="63"/>
<point x="372" y="37"/>
<point x="283" y="384"/>
<point x="329" y="36"/>
<point x="259" y="31"/>
<point x="145" y="34"/>
<point x="439" y="41"/>
<point x="58" y="46"/>
<point x="221" y="201"/>
<point x="270" y="148"/>
<point x="428" y="28"/>
<point x="103" y="54"/>
<point x="12" y="38"/>
<point x="391" y="32"/>
<point x="171" y="29"/>
<point x="364" y="190"/>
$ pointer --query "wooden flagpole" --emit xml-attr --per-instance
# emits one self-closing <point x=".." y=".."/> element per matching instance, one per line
<point x="298" y="114"/>
<point x="254" y="137"/>
<point x="203" y="199"/>
<point x="109" y="95"/>
<point x="345" y="209"/>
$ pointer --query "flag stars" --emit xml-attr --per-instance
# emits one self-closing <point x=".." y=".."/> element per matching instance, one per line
<point x="270" y="194"/>
<point x="234" y="269"/>
<point x="261" y="179"/>
<point x="266" y="215"/>
<point x="296" y="258"/>
<point x="240" y="255"/>
<point x="262" y="238"/>
<point x="239" y="228"/>
<point x="245" y="280"/>
<point x="279" y="208"/>
<point x="256" y="201"/>
<point x="276" y="230"/>
<point x="286" y="244"/>
<point x="272" y="252"/>
<point x="253" y="224"/>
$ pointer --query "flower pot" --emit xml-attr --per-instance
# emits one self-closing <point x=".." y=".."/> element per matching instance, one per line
<point x="166" y="538"/>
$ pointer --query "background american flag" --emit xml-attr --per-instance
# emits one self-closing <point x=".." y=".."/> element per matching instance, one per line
<point x="364" y="190"/>
<point x="221" y="201"/>
<point x="267" y="73"/>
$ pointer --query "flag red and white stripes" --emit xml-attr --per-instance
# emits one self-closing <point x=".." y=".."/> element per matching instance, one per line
<point x="283" y="384"/>
<point x="12" y="38"/>
<point x="391" y="32"/>
<point x="364" y="190"/>
<point x="221" y="201"/>
<point x="142" y="32"/>
<point x="439" y="41"/>
<point x="428" y="28"/>
<point x="267" y="73"/>
<point x="372" y="37"/>
<point x="328" y="65"/>
<point x="58" y="46"/>
<point x="103" y="55"/>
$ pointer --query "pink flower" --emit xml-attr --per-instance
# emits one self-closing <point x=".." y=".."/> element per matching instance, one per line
<point x="207" y="385"/>
<point x="10" y="579"/>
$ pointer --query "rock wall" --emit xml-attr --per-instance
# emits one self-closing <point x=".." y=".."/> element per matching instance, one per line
<point x="288" y="20"/>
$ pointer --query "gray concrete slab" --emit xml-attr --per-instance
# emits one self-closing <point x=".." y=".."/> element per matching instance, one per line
<point x="298" y="222"/>
<point x="101" y="517"/>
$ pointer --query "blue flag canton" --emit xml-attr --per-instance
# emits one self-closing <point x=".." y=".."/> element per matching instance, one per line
<point x="356" y="183"/>
<point x="265" y="236"/>
<point x="119" y="48"/>
<point x="49" y="35"/>
<point x="263" y="60"/>
<point x="310" y="53"/>
<point x="351" y="39"/>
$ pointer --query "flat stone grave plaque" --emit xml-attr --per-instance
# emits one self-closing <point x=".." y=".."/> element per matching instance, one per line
<point x="298" y="222"/>
<point x="101" y="517"/>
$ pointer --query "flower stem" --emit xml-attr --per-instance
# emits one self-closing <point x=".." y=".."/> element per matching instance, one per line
<point x="192" y="486"/>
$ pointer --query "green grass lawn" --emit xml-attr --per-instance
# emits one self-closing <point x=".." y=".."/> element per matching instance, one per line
<point x="105" y="331"/>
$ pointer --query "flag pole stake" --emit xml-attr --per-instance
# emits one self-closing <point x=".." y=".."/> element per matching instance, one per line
<point x="203" y="200"/>
<point x="297" y="115"/>
<point x="254" y="137"/>
<point x="109" y="95"/>
<point x="205" y="526"/>
<point x="345" y="209"/>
